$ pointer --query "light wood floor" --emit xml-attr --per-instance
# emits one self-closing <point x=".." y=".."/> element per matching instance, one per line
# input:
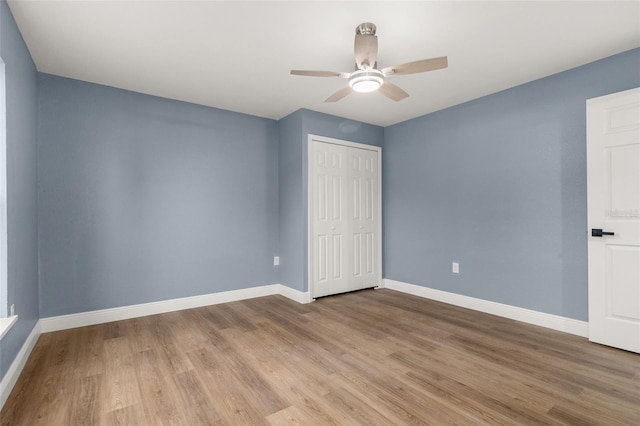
<point x="373" y="357"/>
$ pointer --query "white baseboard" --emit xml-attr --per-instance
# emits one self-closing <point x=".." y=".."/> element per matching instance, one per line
<point x="555" y="322"/>
<point x="9" y="380"/>
<point x="293" y="294"/>
<point x="83" y="319"/>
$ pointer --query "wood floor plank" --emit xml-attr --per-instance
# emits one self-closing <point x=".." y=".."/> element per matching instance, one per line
<point x="619" y="411"/>
<point x="121" y="387"/>
<point x="159" y="398"/>
<point x="258" y="389"/>
<point x="168" y="348"/>
<point x="301" y="415"/>
<point x="372" y="358"/>
<point x="89" y="350"/>
<point x="284" y="376"/>
<point x="125" y="416"/>
<point x="194" y="395"/>
<point x="86" y="405"/>
<point x="357" y="409"/>
<point x="396" y="392"/>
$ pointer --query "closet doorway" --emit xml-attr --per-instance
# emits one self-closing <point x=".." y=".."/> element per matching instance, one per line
<point x="344" y="216"/>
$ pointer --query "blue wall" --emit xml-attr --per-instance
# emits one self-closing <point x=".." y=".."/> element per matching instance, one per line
<point x="499" y="185"/>
<point x="21" y="101"/>
<point x="294" y="131"/>
<point x="292" y="224"/>
<point x="144" y="199"/>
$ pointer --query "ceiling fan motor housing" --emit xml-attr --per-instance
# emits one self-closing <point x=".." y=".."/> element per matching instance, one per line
<point x="366" y="28"/>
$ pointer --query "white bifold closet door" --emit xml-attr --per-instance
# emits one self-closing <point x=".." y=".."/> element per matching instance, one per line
<point x="344" y="218"/>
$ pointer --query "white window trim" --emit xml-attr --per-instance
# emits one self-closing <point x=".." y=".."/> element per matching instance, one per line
<point x="5" y="322"/>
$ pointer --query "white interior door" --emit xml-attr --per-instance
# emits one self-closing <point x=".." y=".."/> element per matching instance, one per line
<point x="613" y="170"/>
<point x="344" y="222"/>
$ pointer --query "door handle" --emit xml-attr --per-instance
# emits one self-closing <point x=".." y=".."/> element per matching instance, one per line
<point x="599" y="232"/>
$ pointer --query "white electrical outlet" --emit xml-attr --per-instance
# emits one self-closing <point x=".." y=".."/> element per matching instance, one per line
<point x="455" y="267"/>
<point x="12" y="310"/>
<point x="276" y="260"/>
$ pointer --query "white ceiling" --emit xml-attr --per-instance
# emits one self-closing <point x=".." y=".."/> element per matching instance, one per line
<point x="237" y="55"/>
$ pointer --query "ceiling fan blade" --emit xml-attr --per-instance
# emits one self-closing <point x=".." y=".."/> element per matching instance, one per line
<point x="318" y="73"/>
<point x="417" y="66"/>
<point x="339" y="94"/>
<point x="392" y="91"/>
<point x="365" y="51"/>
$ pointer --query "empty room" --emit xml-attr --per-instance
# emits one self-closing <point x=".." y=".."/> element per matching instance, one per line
<point x="300" y="212"/>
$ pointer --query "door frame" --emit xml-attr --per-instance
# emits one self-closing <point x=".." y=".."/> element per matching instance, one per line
<point x="323" y="139"/>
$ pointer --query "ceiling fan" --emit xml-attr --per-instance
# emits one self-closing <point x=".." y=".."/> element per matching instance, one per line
<point x="367" y="77"/>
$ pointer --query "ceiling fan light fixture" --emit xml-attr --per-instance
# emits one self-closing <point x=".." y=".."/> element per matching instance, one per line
<point x="364" y="81"/>
<point x="367" y="77"/>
